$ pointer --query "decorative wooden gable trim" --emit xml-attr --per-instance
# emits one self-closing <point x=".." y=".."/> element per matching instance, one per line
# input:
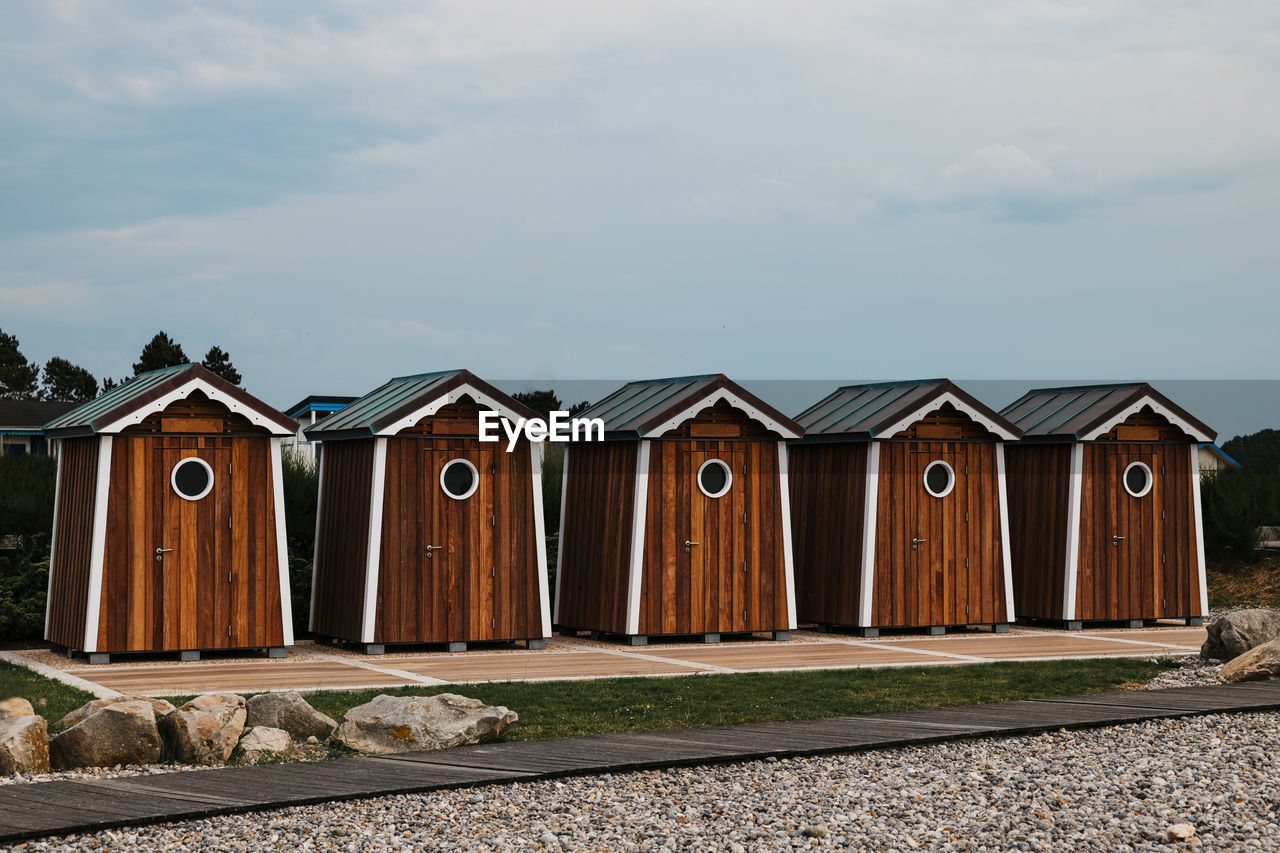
<point x="260" y="418"/>
<point x="453" y="395"/>
<point x="1146" y="401"/>
<point x="721" y="394"/>
<point x="956" y="403"/>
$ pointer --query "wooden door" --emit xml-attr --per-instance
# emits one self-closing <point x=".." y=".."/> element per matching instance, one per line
<point x="713" y="563"/>
<point x="1133" y="568"/>
<point x="200" y="592"/>
<point x="459" y="556"/>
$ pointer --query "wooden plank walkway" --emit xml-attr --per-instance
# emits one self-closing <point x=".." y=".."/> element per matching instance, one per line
<point x="57" y="808"/>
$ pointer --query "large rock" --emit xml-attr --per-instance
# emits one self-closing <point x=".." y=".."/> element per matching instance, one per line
<point x="159" y="707"/>
<point x="1261" y="663"/>
<point x="206" y="729"/>
<point x="1233" y="634"/>
<point x="404" y="723"/>
<point x="24" y="745"/>
<point x="265" y="740"/>
<point x="16" y="707"/>
<point x="120" y="733"/>
<point x="288" y="711"/>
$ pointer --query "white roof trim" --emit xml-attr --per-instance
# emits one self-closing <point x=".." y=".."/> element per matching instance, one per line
<point x="960" y="405"/>
<point x="464" y="390"/>
<point x="1163" y="411"/>
<point x="186" y="390"/>
<point x="710" y="400"/>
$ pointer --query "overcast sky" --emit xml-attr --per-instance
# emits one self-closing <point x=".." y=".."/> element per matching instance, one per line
<point x="341" y="192"/>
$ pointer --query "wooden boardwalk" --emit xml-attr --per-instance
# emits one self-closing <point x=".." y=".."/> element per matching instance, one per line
<point x="57" y="808"/>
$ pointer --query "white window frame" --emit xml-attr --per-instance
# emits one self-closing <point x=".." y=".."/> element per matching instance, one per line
<point x="951" y="482"/>
<point x="1151" y="480"/>
<point x="475" y="478"/>
<point x="173" y="478"/>
<point x="728" y="480"/>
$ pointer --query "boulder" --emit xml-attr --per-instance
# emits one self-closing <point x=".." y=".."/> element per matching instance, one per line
<point x="1233" y="634"/>
<point x="1261" y="663"/>
<point x="120" y="733"/>
<point x="16" y="707"/>
<point x="206" y="729"/>
<point x="159" y="708"/>
<point x="403" y="723"/>
<point x="288" y="711"/>
<point x="260" y="740"/>
<point x="24" y="745"/>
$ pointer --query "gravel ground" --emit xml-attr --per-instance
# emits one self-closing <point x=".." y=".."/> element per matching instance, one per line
<point x="1123" y="787"/>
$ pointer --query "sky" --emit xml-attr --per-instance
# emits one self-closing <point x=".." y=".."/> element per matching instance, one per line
<point x="340" y="192"/>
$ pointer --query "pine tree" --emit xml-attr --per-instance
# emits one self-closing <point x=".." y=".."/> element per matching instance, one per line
<point x="67" y="382"/>
<point x="542" y="402"/>
<point x="218" y="361"/>
<point x="161" y="351"/>
<point x="108" y="383"/>
<point x="18" y="377"/>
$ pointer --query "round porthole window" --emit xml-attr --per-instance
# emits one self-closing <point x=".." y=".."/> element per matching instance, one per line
<point x="191" y="478"/>
<point x="459" y="479"/>
<point x="939" y="478"/>
<point x="714" y="478"/>
<point x="1137" y="479"/>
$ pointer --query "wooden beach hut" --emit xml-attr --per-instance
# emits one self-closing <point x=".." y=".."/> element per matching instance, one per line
<point x="1105" y="491"/>
<point x="169" y="520"/>
<point x="677" y="522"/>
<point x="425" y="534"/>
<point x="899" y="509"/>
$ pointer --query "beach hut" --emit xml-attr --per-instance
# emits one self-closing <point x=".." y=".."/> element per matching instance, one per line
<point x="899" y="510"/>
<point x="1105" y="492"/>
<point x="168" y="527"/>
<point x="677" y="522"/>
<point x="425" y="533"/>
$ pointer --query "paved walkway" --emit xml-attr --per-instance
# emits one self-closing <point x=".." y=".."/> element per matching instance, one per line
<point x="55" y="808"/>
<point x="320" y="667"/>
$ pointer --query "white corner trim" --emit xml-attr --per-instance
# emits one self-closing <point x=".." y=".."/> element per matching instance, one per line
<point x="638" y="512"/>
<point x="784" y="480"/>
<point x="1163" y="411"/>
<point x="540" y="532"/>
<point x="1199" y="532"/>
<point x="564" y="491"/>
<point x="1071" y="566"/>
<point x="710" y="400"/>
<point x="282" y="544"/>
<point x="59" y="485"/>
<point x="374" y="554"/>
<point x="98" y="548"/>
<point x="430" y="408"/>
<point x="186" y="390"/>
<point x="315" y="548"/>
<point x="960" y="405"/>
<point x="870" y="507"/>
<point x="1005" y="552"/>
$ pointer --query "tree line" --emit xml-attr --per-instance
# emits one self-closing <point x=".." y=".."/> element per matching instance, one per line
<point x="61" y="380"/>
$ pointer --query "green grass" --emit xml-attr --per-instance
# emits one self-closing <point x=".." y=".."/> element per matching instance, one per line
<point x="51" y="699"/>
<point x="564" y="708"/>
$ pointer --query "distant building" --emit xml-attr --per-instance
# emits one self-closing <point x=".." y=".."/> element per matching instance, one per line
<point x="1214" y="458"/>
<point x="22" y="425"/>
<point x="308" y="411"/>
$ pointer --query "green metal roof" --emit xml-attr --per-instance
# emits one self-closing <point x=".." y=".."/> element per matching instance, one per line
<point x="1071" y="412"/>
<point x="865" y="412"/>
<point x="637" y="408"/>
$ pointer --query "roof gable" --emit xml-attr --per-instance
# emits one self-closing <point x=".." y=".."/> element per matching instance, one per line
<point x="883" y="409"/>
<point x="1085" y="412"/>
<point x="131" y="402"/>
<point x="651" y="408"/>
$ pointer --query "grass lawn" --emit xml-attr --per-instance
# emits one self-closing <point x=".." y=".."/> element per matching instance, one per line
<point x="52" y="700"/>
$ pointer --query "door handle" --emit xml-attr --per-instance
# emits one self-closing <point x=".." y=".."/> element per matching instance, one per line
<point x="688" y="544"/>
<point x="915" y="543"/>
<point x="1116" y="540"/>
<point x="431" y="548"/>
<point x="160" y="552"/>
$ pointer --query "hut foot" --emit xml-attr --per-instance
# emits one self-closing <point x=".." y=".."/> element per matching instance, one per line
<point x="1073" y="625"/>
<point x="781" y="636"/>
<point x="276" y="652"/>
<point x="593" y="635"/>
<point x="1000" y="628"/>
<point x="457" y="647"/>
<point x="98" y="657"/>
<point x="375" y="649"/>
<point x="535" y="644"/>
<point x="710" y="638"/>
<point x="1195" y="621"/>
<point x="188" y="655"/>
<point x="937" y="630"/>
<point x="1133" y="623"/>
<point x="868" y="633"/>
<point x="822" y="627"/>
<point x="637" y="640"/>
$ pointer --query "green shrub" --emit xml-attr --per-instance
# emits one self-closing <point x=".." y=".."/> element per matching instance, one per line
<point x="27" y="485"/>
<point x="1236" y="502"/>
<point x="22" y="594"/>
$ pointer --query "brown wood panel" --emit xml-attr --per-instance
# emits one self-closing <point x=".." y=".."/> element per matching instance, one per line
<point x="342" y="540"/>
<point x="69" y="563"/>
<point x="595" y="536"/>
<point x="828" y="497"/>
<point x="1038" y="481"/>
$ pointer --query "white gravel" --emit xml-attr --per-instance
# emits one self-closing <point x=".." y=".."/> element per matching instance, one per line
<point x="1117" y="788"/>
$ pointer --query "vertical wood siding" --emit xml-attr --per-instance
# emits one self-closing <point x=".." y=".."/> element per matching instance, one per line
<point x="69" y="585"/>
<point x="595" y="535"/>
<point x="342" y="537"/>
<point x="1038" y="479"/>
<point x="955" y="576"/>
<point x="828" y="496"/>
